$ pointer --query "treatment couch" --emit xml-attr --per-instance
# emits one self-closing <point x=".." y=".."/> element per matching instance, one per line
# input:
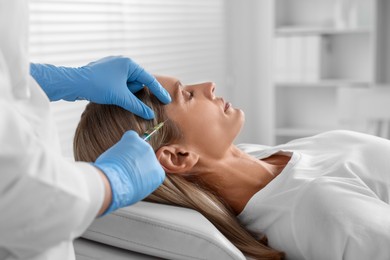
<point x="154" y="231"/>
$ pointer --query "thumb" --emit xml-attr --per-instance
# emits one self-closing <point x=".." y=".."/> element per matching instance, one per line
<point x="136" y="106"/>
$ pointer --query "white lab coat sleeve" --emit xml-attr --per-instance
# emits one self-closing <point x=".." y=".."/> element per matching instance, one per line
<point x="341" y="220"/>
<point x="44" y="198"/>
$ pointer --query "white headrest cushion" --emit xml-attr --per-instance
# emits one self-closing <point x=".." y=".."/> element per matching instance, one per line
<point x="163" y="231"/>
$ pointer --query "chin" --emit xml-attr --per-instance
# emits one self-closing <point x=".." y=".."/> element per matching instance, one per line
<point x="241" y="116"/>
<point x="240" y="120"/>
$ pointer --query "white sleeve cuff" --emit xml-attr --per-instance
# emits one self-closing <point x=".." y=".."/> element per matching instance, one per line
<point x="96" y="192"/>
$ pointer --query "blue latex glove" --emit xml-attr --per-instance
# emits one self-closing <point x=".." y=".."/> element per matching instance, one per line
<point x="111" y="80"/>
<point x="132" y="170"/>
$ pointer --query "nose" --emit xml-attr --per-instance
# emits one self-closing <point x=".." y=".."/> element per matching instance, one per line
<point x="209" y="88"/>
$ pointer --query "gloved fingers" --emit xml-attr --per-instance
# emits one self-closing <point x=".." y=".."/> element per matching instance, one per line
<point x="134" y="87"/>
<point x="141" y="76"/>
<point x="136" y="106"/>
<point x="132" y="169"/>
<point x="130" y="134"/>
<point x="160" y="92"/>
<point x="132" y="138"/>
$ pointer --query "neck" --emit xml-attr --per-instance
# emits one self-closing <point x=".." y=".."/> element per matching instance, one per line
<point x="239" y="176"/>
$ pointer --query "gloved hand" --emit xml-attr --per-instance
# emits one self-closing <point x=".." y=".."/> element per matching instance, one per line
<point x="132" y="169"/>
<point x="111" y="80"/>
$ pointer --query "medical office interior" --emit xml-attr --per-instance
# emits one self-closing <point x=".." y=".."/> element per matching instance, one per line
<point x="295" y="67"/>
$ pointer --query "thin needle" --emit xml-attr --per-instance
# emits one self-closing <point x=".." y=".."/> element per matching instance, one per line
<point x="150" y="132"/>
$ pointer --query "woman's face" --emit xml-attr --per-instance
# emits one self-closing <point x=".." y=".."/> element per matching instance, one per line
<point x="209" y="124"/>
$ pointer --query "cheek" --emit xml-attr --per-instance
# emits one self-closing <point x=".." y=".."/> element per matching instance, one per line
<point x="207" y="140"/>
<point x="206" y="128"/>
<point x="210" y="134"/>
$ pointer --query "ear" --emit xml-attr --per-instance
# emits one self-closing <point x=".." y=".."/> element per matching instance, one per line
<point x="176" y="159"/>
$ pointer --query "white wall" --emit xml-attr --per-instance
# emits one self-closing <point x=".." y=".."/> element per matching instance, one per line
<point x="250" y="27"/>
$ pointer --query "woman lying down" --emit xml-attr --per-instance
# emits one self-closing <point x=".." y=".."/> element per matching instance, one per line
<point x="321" y="197"/>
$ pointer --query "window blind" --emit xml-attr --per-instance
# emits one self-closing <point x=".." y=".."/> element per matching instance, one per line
<point x="181" y="38"/>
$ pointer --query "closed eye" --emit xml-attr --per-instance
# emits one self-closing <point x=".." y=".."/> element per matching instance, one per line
<point x="188" y="94"/>
<point x="191" y="94"/>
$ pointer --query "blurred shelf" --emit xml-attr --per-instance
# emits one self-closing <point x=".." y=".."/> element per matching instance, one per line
<point x="315" y="60"/>
<point x="296" y="30"/>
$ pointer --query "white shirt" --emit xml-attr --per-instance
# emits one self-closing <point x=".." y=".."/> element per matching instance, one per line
<point x="331" y="201"/>
<point x="45" y="200"/>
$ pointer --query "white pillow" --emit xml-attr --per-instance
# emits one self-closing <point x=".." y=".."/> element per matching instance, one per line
<point x="163" y="231"/>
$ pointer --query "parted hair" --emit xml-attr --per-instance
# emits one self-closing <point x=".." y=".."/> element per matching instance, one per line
<point x="102" y="126"/>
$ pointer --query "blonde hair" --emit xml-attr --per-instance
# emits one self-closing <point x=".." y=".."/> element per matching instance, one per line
<point x="101" y="126"/>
